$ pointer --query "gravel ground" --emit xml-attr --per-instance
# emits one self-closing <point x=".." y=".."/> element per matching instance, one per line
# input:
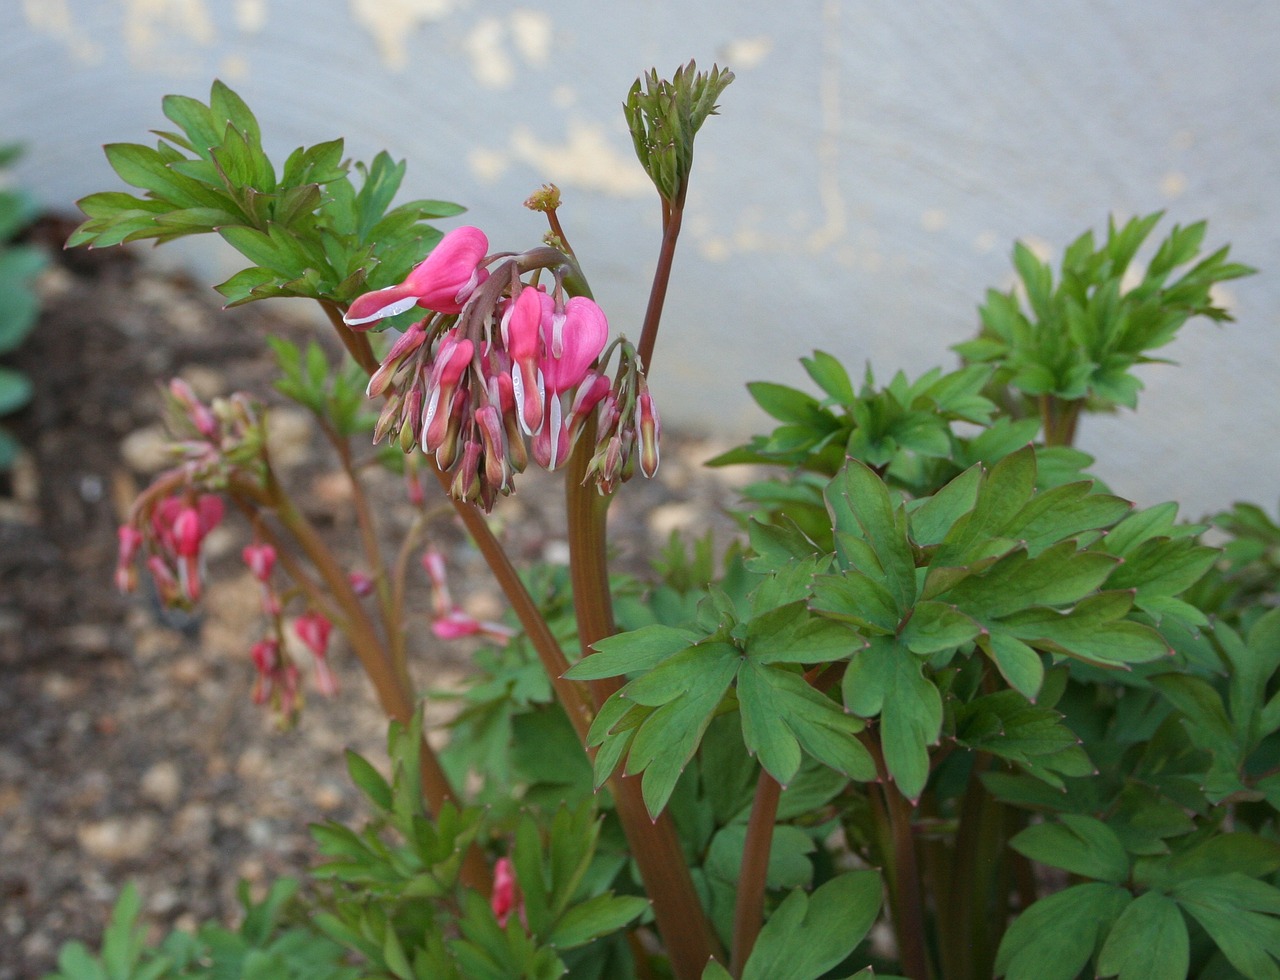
<point x="129" y="747"/>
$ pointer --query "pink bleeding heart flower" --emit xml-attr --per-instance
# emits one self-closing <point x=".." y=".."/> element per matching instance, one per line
<point x="583" y="334"/>
<point x="260" y="558"/>
<point x="443" y="281"/>
<point x="522" y="331"/>
<point x="313" y="629"/>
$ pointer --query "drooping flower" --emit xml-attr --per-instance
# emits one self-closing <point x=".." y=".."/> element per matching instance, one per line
<point x="503" y="898"/>
<point x="179" y="525"/>
<point x="582" y="333"/>
<point x="313" y="629"/>
<point x="261" y="559"/>
<point x="443" y="281"/>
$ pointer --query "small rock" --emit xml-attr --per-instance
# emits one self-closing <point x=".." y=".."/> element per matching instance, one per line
<point x="289" y="435"/>
<point x="146" y="450"/>
<point x="331" y="491"/>
<point x="188" y="671"/>
<point x="673" y="517"/>
<point x="162" y="784"/>
<point x="86" y="638"/>
<point x="205" y="381"/>
<point x="60" y="687"/>
<point x="119" y="838"/>
<point x="253" y="763"/>
<point x="327" y="797"/>
<point x="193" y="826"/>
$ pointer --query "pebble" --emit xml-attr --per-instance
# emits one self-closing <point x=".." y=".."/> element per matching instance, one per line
<point x="86" y="638"/>
<point x="205" y="381"/>
<point x="675" y="516"/>
<point x="146" y="450"/>
<point x="327" y="797"/>
<point x="253" y="763"/>
<point x="162" y="784"/>
<point x="119" y="838"/>
<point x="193" y="826"/>
<point x="289" y="433"/>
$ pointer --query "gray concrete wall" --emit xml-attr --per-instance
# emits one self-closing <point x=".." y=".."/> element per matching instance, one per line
<point x="872" y="166"/>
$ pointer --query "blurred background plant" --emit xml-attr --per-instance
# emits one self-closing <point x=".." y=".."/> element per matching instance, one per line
<point x="19" y="304"/>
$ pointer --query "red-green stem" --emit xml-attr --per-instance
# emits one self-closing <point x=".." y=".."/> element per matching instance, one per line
<point x="1059" y="418"/>
<point x="356" y="343"/>
<point x="544" y="642"/>
<point x="655" y="845"/>
<point x="748" y="909"/>
<point x="672" y="214"/>
<point x="392" y="624"/>
<point x="392" y="685"/>
<point x="905" y="894"/>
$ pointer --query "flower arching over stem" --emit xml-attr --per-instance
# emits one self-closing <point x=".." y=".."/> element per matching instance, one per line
<point x="443" y="281"/>
<point x="505" y="369"/>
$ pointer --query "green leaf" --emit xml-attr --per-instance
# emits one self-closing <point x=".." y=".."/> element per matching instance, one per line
<point x="858" y="599"/>
<point x="786" y="404"/>
<point x="1240" y="914"/>
<point x="933" y="517"/>
<point x="15" y="390"/>
<point x="781" y="713"/>
<point x="594" y="918"/>
<point x="861" y="506"/>
<point x="1055" y="938"/>
<point x="887" y="679"/>
<point x="1078" y="844"/>
<point x="791" y="634"/>
<point x="1018" y="663"/>
<point x="688" y="689"/>
<point x="936" y="626"/>
<point x="1092" y="631"/>
<point x="829" y="375"/>
<point x="369" y="780"/>
<point x="636" y="650"/>
<point x="809" y="934"/>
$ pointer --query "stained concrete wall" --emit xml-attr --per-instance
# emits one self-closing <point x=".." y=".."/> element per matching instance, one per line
<point x="872" y="166"/>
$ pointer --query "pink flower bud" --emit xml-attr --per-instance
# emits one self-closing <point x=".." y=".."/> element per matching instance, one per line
<point x="186" y="532"/>
<point x="325" y="679"/>
<point x="266" y="655"/>
<point x="466" y="481"/>
<point x="454" y="625"/>
<point x="261" y="559"/>
<point x="503" y="898"/>
<point x="361" y="584"/>
<point x="313" y="628"/>
<point x="649" y="429"/>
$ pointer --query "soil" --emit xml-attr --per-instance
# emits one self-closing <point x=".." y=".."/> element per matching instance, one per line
<point x="129" y="745"/>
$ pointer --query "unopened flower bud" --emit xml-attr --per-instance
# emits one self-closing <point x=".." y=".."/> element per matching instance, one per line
<point x="649" y="430"/>
<point x="466" y="482"/>
<point x="186" y="532"/>
<point x="313" y="629"/>
<point x="261" y="559"/>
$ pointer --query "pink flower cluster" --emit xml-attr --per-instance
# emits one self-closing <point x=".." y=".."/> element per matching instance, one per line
<point x="504" y="369"/>
<point x="277" y="679"/>
<point x="171" y="519"/>
<point x="449" y="621"/>
<point x="174" y="535"/>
